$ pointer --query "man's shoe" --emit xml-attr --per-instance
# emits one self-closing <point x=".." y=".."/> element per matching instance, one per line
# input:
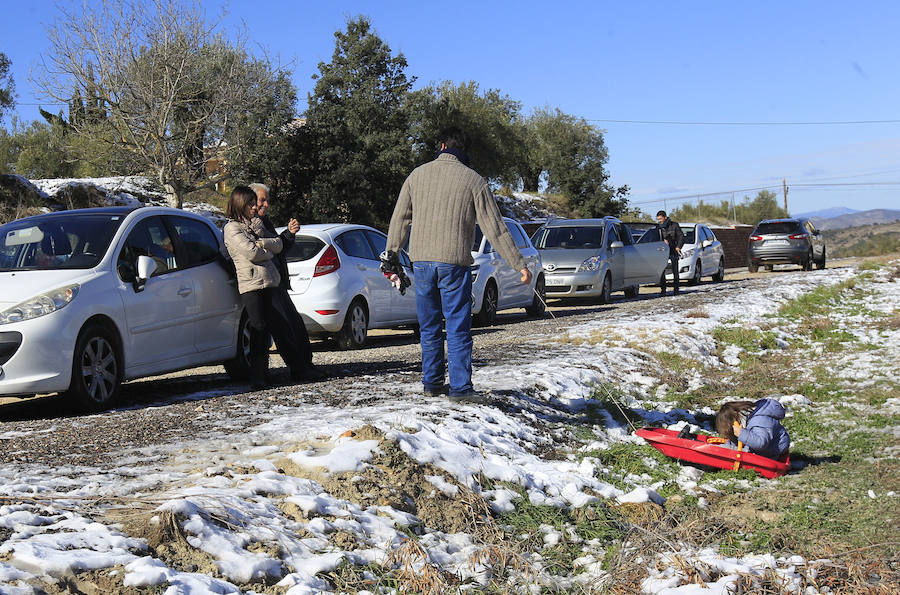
<point x="435" y="391"/>
<point x="469" y="397"/>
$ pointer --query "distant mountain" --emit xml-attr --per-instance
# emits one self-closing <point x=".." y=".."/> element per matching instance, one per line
<point x="871" y="217"/>
<point x="827" y="213"/>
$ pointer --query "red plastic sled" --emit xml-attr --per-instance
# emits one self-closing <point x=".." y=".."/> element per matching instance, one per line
<point x="700" y="451"/>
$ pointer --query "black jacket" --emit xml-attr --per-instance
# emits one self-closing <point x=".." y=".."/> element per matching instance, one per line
<point x="671" y="232"/>
<point x="287" y="240"/>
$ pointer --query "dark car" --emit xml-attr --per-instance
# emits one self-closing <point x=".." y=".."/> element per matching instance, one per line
<point x="786" y="241"/>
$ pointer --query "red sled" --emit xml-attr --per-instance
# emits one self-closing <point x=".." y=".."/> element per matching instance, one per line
<point x="704" y="450"/>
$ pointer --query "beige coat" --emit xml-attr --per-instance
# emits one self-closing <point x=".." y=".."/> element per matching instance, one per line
<point x="252" y="256"/>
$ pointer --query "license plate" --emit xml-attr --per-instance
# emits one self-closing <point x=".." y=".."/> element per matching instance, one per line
<point x="777" y="242"/>
<point x="552" y="281"/>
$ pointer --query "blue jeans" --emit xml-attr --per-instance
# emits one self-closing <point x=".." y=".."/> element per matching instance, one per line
<point x="445" y="290"/>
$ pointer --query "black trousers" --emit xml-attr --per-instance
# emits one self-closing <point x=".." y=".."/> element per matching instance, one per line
<point x="674" y="257"/>
<point x="297" y="340"/>
<point x="268" y="314"/>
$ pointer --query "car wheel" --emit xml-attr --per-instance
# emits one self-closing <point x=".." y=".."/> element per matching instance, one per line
<point x="719" y="275"/>
<point x="96" y="368"/>
<point x="752" y="267"/>
<point x="807" y="263"/>
<point x="821" y="264"/>
<point x="606" y="293"/>
<point x="356" y="326"/>
<point x="539" y="302"/>
<point x="488" y="314"/>
<point x="238" y="367"/>
<point x="695" y="280"/>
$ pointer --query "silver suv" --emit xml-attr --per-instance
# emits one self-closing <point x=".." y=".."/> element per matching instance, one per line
<point x="786" y="241"/>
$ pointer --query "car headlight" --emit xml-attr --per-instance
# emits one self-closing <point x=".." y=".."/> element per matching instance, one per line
<point x="473" y="270"/>
<point x="590" y="264"/>
<point x="40" y="305"/>
<point x="687" y="253"/>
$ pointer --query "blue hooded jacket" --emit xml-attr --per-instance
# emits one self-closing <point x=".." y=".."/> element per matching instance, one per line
<point x="763" y="433"/>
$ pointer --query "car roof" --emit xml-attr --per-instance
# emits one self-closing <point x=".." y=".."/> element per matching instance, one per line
<point x="327" y="229"/>
<point x="782" y="220"/>
<point x="579" y="222"/>
<point x="92" y="211"/>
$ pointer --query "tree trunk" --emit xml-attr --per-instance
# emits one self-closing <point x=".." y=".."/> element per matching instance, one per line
<point x="174" y="196"/>
<point x="531" y="181"/>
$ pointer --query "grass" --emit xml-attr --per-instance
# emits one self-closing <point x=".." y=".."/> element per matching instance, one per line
<point x="746" y="338"/>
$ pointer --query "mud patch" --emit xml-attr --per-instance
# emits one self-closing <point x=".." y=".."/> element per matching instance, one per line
<point x="163" y="533"/>
<point x="93" y="582"/>
<point x="393" y="479"/>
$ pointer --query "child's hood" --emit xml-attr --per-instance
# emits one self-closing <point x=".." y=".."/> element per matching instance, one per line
<point x="769" y="408"/>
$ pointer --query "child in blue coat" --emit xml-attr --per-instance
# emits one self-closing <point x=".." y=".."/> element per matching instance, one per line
<point x="757" y="425"/>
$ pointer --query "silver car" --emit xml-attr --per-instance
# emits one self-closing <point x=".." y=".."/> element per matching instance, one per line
<point x="702" y="254"/>
<point x="594" y="257"/>
<point x="337" y="284"/>
<point x="497" y="286"/>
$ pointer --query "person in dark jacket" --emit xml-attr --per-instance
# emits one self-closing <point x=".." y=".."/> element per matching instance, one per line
<point x="671" y="234"/>
<point x="756" y="424"/>
<point x="296" y="347"/>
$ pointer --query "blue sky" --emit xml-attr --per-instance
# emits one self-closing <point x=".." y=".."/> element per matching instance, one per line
<point x="697" y="63"/>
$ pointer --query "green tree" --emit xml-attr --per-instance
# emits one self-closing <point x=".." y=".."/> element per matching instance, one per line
<point x="354" y="151"/>
<point x="7" y="86"/>
<point x="571" y="155"/>
<point x="763" y="206"/>
<point x="43" y="149"/>
<point x="492" y="120"/>
<point x="161" y="89"/>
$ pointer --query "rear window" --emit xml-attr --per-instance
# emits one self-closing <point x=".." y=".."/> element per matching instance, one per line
<point x="304" y="248"/>
<point x="778" y="227"/>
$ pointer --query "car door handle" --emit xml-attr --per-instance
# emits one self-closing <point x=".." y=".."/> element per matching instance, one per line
<point x="185" y="291"/>
<point x="361" y="267"/>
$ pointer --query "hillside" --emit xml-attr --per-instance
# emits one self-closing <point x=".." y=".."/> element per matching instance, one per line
<point x="870" y="217"/>
<point x="864" y="240"/>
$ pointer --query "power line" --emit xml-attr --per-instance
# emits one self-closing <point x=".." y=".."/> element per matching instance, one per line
<point x="686" y="123"/>
<point x="698" y="196"/>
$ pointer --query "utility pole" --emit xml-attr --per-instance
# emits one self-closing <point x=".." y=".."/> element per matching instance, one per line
<point x="784" y="186"/>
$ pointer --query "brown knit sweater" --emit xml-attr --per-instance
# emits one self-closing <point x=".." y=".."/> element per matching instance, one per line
<point x="442" y="199"/>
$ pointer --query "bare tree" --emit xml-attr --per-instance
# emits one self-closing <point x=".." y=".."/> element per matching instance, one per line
<point x="157" y="86"/>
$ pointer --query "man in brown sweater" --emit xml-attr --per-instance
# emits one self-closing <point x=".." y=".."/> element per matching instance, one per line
<point x="443" y="199"/>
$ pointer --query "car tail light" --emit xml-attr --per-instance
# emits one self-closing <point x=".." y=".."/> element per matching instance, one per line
<point x="326" y="312"/>
<point x="328" y="263"/>
<point x="799" y="236"/>
<point x="755" y="238"/>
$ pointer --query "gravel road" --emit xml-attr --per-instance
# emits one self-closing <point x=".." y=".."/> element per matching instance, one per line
<point x="205" y="402"/>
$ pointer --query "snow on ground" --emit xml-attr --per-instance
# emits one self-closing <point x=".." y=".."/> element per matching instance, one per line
<point x="231" y="497"/>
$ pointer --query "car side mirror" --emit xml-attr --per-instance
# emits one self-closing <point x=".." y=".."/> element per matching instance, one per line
<point x="146" y="267"/>
<point x="617" y="244"/>
<point x="707" y="243"/>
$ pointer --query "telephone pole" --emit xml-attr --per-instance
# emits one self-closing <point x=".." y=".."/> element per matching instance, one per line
<point x="784" y="186"/>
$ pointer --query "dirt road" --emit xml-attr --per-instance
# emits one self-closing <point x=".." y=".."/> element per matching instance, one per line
<point x="202" y="401"/>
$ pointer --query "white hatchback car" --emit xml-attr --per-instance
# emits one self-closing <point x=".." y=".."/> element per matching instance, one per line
<point x="702" y="254"/>
<point x="337" y="284"/>
<point x="93" y="297"/>
<point x="497" y="286"/>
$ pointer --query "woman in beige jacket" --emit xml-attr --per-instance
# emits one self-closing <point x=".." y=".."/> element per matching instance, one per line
<point x="258" y="279"/>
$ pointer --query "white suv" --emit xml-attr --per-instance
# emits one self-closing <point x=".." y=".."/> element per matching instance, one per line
<point x="93" y="297"/>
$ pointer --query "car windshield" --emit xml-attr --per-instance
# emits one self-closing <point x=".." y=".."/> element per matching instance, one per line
<point x="569" y="237"/>
<point x="69" y="241"/>
<point x="476" y="245"/>
<point x="690" y="236"/>
<point x="777" y="227"/>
